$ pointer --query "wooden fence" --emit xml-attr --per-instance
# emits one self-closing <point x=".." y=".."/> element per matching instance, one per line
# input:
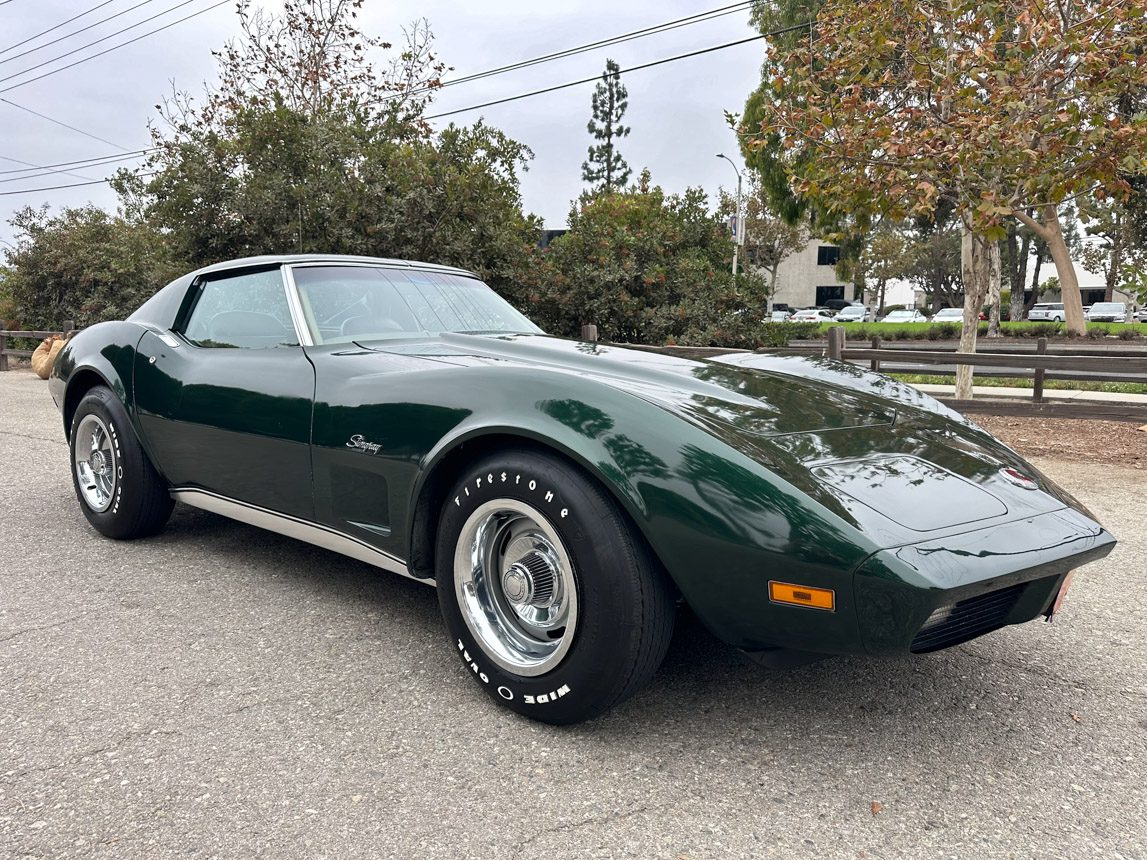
<point x="1118" y="365"/>
<point x="6" y="335"/>
<point x="1129" y="367"/>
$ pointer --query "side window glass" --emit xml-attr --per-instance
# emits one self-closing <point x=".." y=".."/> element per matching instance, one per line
<point x="247" y="311"/>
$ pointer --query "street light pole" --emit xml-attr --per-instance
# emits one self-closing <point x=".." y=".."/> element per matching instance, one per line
<point x="739" y="238"/>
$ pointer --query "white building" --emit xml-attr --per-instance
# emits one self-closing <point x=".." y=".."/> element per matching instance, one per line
<point x="808" y="278"/>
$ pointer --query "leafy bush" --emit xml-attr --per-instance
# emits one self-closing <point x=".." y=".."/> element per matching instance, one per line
<point x="83" y="265"/>
<point x="645" y="267"/>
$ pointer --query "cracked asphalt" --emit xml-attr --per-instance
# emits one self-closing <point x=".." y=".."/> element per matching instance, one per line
<point x="219" y="691"/>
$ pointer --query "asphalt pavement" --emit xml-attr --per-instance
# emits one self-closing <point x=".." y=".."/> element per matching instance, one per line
<point x="219" y="691"/>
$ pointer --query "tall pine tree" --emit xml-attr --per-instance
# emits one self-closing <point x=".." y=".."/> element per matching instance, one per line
<point x="606" y="170"/>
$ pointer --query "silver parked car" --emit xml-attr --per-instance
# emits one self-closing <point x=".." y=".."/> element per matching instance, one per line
<point x="906" y="316"/>
<point x="1107" y="312"/>
<point x="949" y="315"/>
<point x="855" y="313"/>
<point x="1047" y="312"/>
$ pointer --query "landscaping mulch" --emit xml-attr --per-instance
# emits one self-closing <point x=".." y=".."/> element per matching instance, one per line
<point x="1117" y="443"/>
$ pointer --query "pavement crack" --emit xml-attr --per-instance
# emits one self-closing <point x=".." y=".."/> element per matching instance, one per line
<point x="92" y="753"/>
<point x="27" y="630"/>
<point x="607" y="818"/>
<point x="36" y="438"/>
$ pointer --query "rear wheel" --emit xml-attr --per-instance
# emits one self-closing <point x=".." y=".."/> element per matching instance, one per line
<point x="555" y="606"/>
<point x="120" y="492"/>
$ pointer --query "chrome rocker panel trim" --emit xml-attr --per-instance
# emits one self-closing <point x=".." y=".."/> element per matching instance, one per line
<point x="293" y="527"/>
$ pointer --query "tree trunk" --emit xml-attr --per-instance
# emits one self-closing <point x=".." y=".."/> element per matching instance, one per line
<point x="1064" y="270"/>
<point x="1051" y="232"/>
<point x="975" y="263"/>
<point x="994" y="289"/>
<point x="881" y="283"/>
<point x="1019" y="276"/>
<point x="1035" y="282"/>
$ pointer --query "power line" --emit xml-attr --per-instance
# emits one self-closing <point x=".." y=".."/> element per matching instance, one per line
<point x="39" y="166"/>
<point x="81" y="30"/>
<point x="104" y="39"/>
<point x="49" y="168"/>
<point x="554" y="88"/>
<point x="56" y="27"/>
<point x="87" y="161"/>
<point x="64" y="124"/>
<point x="655" y="29"/>
<point x="568" y="52"/>
<point x="620" y="71"/>
<point x="71" y="185"/>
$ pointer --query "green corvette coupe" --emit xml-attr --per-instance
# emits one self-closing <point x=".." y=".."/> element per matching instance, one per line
<point x="564" y="497"/>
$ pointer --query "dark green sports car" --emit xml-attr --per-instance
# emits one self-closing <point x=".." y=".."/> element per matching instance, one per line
<point x="563" y="496"/>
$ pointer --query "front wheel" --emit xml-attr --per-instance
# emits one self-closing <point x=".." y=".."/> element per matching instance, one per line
<point x="553" y="603"/>
<point x="119" y="490"/>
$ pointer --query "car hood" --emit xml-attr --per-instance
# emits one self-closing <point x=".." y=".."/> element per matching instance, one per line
<point x="715" y="394"/>
<point x="881" y="455"/>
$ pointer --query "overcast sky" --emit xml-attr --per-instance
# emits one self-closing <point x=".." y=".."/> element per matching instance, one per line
<point x="676" y="110"/>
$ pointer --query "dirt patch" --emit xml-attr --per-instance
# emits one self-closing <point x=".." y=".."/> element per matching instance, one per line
<point x="1112" y="442"/>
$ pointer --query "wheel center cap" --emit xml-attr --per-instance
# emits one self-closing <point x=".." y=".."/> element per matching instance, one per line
<point x="530" y="581"/>
<point x="97" y="461"/>
<point x="517" y="584"/>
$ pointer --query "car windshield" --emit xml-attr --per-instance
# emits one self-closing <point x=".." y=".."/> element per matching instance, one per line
<point x="851" y="311"/>
<point x="900" y="315"/>
<point x="1107" y="308"/>
<point x="950" y="313"/>
<point x="346" y="303"/>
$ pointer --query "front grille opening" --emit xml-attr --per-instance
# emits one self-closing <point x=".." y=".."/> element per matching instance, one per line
<point x="958" y="622"/>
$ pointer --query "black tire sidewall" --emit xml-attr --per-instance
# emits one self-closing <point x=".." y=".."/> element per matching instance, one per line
<point x="122" y="518"/>
<point x="605" y="560"/>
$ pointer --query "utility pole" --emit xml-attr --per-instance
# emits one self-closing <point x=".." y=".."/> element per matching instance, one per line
<point x="739" y="238"/>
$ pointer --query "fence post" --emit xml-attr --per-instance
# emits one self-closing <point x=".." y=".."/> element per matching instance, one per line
<point x="876" y="342"/>
<point x="589" y="333"/>
<point x="3" y="345"/>
<point x="835" y="342"/>
<point x="1037" y="385"/>
<point x="69" y="325"/>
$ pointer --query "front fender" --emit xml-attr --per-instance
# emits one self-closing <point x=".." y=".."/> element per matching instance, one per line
<point x="103" y="354"/>
<point x="721" y="523"/>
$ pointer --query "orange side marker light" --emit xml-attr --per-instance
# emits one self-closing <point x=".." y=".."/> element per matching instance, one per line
<point x="802" y="595"/>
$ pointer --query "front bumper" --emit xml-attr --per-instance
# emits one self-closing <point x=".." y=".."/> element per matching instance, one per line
<point x="935" y="594"/>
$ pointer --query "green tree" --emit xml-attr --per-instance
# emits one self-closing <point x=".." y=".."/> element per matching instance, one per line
<point x="1009" y="107"/>
<point x="886" y="256"/>
<point x="646" y="267"/>
<point x="1113" y="249"/>
<point x="606" y="170"/>
<point x="84" y="265"/>
<point x="769" y="238"/>
<point x="305" y="147"/>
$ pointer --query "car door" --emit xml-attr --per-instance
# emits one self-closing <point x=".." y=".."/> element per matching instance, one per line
<point x="224" y="400"/>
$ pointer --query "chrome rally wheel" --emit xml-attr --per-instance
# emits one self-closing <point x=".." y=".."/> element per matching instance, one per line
<point x="516" y="587"/>
<point x="555" y="605"/>
<point x="120" y="492"/>
<point x="95" y="462"/>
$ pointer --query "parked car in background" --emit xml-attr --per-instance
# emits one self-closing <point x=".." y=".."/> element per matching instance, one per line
<point x="1141" y="314"/>
<point x="836" y="305"/>
<point x="855" y="313"/>
<point x="562" y="497"/>
<point x="1047" y="312"/>
<point x="905" y="316"/>
<point x="812" y="315"/>
<point x="949" y="315"/>
<point x="780" y="316"/>
<point x="1107" y="312"/>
